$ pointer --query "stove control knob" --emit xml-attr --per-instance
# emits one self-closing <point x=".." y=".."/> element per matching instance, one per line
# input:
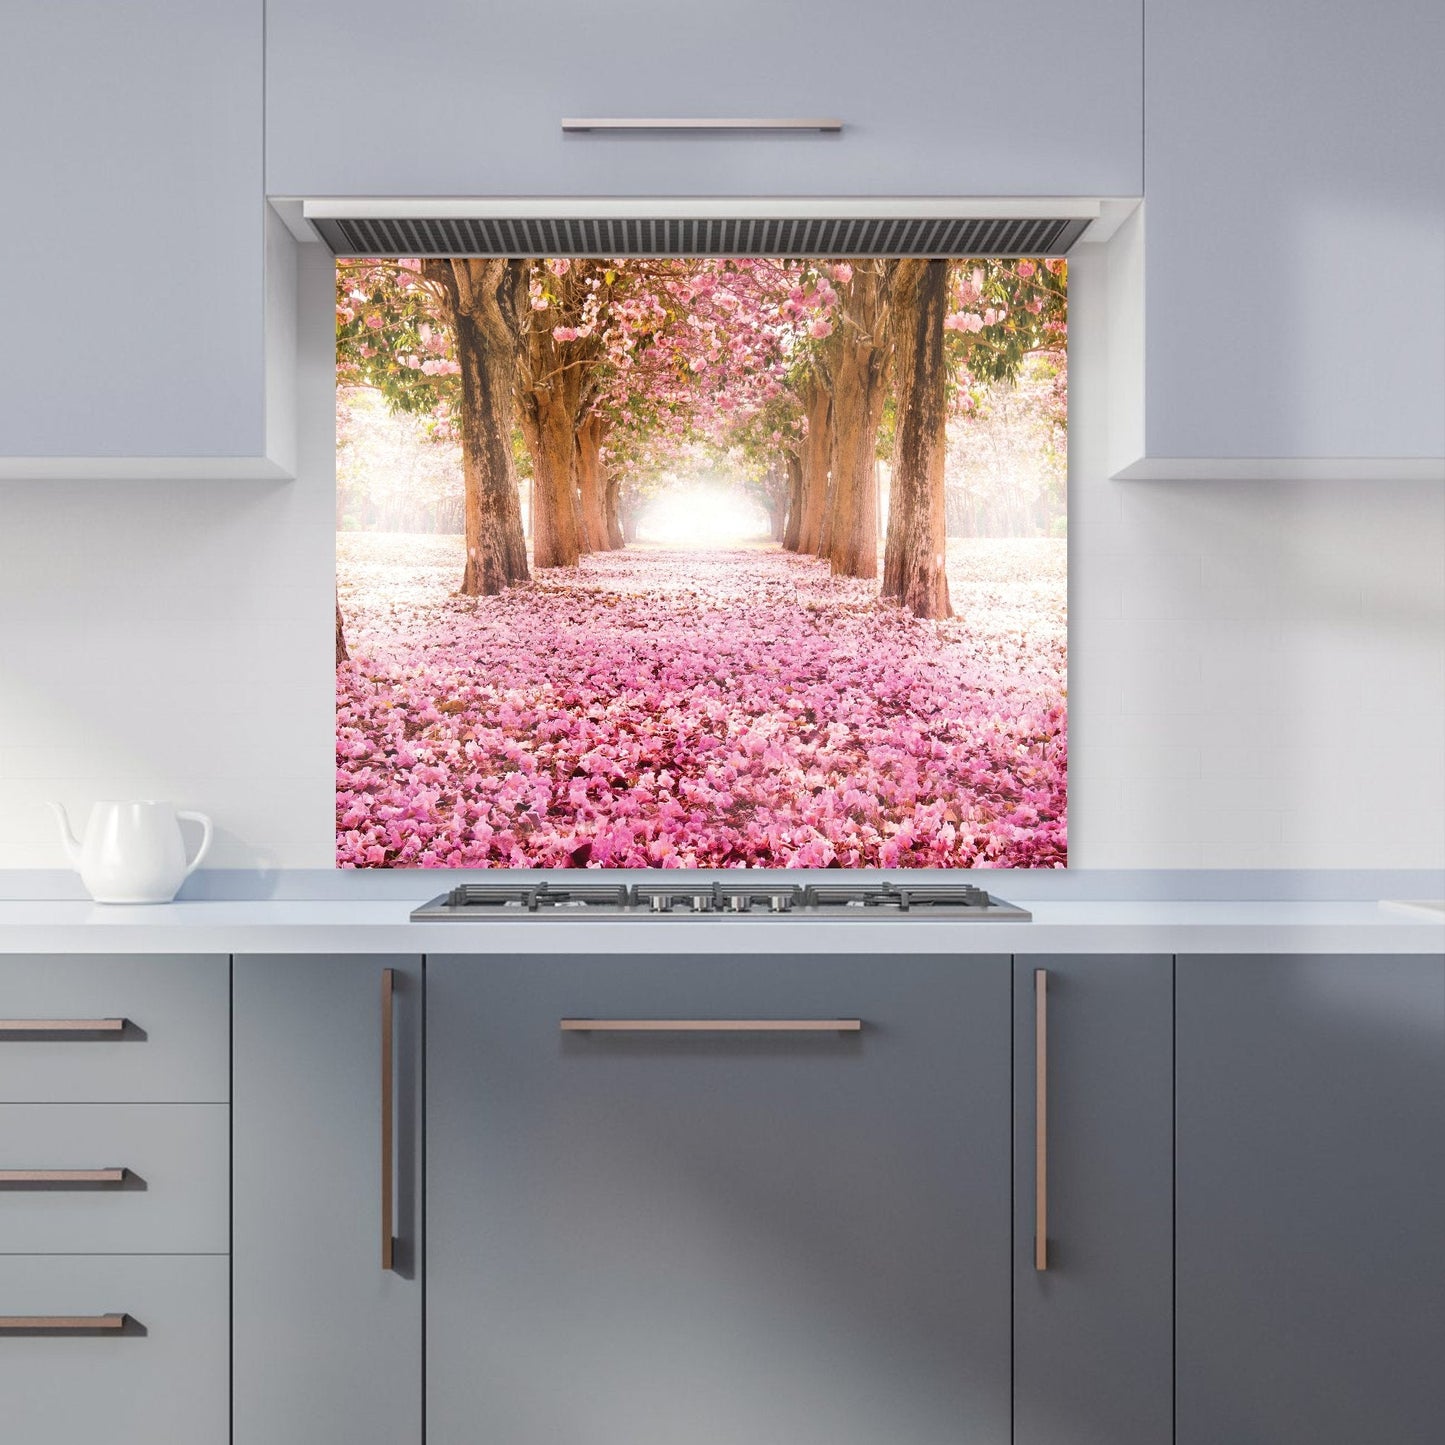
<point x="659" y="904"/>
<point x="701" y="903"/>
<point x="779" y="903"/>
<point x="740" y="903"/>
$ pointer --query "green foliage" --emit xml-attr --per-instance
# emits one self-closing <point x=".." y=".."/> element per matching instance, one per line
<point x="392" y="335"/>
<point x="1006" y="310"/>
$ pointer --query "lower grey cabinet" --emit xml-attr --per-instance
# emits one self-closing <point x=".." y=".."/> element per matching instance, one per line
<point x="326" y="1340"/>
<point x="644" y="1234"/>
<point x="153" y="1178"/>
<point x="123" y="1028"/>
<point x="125" y="1349"/>
<point x="1093" y="1356"/>
<point x="1311" y="1193"/>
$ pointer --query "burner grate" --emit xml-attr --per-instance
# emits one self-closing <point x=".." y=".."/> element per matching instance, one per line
<point x="899" y="897"/>
<point x="535" y="896"/>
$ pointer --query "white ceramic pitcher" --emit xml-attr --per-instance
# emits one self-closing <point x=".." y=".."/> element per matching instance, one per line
<point x="133" y="852"/>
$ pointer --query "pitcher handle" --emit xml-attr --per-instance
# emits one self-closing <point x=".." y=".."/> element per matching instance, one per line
<point x="201" y="852"/>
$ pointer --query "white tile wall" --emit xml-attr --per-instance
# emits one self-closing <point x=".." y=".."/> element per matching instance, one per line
<point x="1257" y="670"/>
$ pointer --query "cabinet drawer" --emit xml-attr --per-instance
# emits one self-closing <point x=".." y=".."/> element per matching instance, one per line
<point x="173" y="1046"/>
<point x="162" y="1377"/>
<point x="171" y="1198"/>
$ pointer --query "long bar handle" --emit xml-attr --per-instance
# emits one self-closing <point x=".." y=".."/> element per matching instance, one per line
<point x="388" y="1118"/>
<point x="76" y="1324"/>
<point x="1041" y="1119"/>
<point x="84" y="1027"/>
<point x="63" y="1176"/>
<point x="711" y="1026"/>
<point x="702" y="124"/>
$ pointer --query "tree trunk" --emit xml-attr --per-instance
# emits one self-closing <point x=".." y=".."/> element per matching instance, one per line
<point x="590" y="483"/>
<point x="914" y="559"/>
<point x="612" y="508"/>
<point x="857" y="366"/>
<point x="795" y="501"/>
<point x="777" y="517"/>
<point x="557" y="385"/>
<point x="857" y="410"/>
<point x="817" y="448"/>
<point x="547" y="426"/>
<point x="579" y="525"/>
<point x="342" y="655"/>
<point x="484" y="297"/>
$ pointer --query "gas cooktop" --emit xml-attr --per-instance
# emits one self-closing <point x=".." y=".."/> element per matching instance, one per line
<point x="473" y="901"/>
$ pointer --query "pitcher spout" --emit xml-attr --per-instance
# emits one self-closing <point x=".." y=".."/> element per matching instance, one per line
<point x="68" y="839"/>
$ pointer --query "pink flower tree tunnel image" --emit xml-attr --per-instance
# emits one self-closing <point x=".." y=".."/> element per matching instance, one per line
<point x="696" y="562"/>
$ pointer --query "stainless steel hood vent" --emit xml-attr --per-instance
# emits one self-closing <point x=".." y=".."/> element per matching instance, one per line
<point x="641" y="235"/>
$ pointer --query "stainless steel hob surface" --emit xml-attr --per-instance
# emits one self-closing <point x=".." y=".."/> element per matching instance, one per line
<point x="471" y="902"/>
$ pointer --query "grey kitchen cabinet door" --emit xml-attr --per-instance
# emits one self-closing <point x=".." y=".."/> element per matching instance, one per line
<point x="1310" y="1151"/>
<point x="171" y="1048"/>
<point x="140" y="128"/>
<point x="787" y="1238"/>
<point x="1093" y="1353"/>
<point x="1322" y="97"/>
<point x="326" y="1342"/>
<point x="173" y="1195"/>
<point x="158" y="1379"/>
<point x="936" y="97"/>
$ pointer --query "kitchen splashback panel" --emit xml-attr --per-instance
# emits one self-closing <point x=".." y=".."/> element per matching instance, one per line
<point x="696" y="561"/>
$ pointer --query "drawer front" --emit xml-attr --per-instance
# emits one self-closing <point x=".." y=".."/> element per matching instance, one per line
<point x="171" y="1197"/>
<point x="163" y="1377"/>
<point x="173" y="1048"/>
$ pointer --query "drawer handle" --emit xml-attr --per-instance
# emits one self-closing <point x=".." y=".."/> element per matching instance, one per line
<point x="71" y="1324"/>
<point x="700" y="125"/>
<point x="388" y="1127"/>
<point x="81" y="1028"/>
<point x="712" y="1026"/>
<point x="63" y="1176"/>
<point x="1041" y="1119"/>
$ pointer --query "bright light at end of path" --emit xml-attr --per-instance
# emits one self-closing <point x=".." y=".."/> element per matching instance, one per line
<point x="702" y="519"/>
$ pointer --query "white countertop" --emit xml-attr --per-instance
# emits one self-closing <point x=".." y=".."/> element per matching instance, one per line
<point x="374" y="927"/>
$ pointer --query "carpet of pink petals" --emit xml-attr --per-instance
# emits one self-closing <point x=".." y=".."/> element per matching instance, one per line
<point x="728" y="708"/>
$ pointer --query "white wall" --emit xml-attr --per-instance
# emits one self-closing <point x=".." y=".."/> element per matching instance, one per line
<point x="172" y="640"/>
<point x="1257" y="670"/>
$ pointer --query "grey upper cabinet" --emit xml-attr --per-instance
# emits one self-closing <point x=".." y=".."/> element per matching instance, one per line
<point x="636" y="1238"/>
<point x="1311" y="1189"/>
<point x="937" y="98"/>
<point x="327" y="1342"/>
<point x="148" y="306"/>
<point x="1294" y="320"/>
<point x="1093" y="1354"/>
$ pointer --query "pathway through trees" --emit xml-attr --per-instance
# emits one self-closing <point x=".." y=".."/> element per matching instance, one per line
<point x="732" y="707"/>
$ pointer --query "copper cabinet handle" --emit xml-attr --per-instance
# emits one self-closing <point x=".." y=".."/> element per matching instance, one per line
<point x="744" y="125"/>
<point x="63" y="1176"/>
<point x="711" y="1026"/>
<point x="388" y="1119"/>
<point x="1041" y="1118"/>
<point x="84" y="1028"/>
<point x="75" y="1323"/>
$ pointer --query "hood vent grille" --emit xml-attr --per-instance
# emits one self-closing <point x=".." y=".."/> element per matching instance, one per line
<point x="720" y="236"/>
